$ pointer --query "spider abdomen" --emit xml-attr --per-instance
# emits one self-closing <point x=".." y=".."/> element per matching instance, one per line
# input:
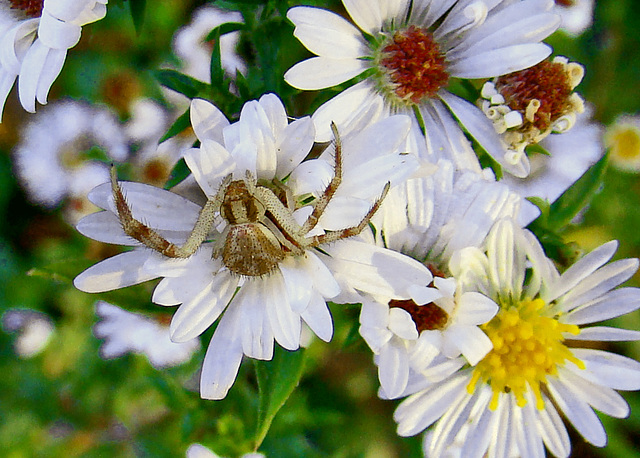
<point x="251" y="249"/>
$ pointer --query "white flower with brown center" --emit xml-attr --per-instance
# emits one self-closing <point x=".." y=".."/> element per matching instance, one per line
<point x="259" y="248"/>
<point x="528" y="105"/>
<point x="34" y="46"/>
<point x="511" y="402"/>
<point x="408" y="54"/>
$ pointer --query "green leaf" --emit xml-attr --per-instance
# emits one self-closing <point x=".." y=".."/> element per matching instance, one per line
<point x="577" y="196"/>
<point x="276" y="381"/>
<point x="223" y="29"/>
<point x="180" y="124"/>
<point x="137" y="13"/>
<point x="179" y="173"/>
<point x="180" y="82"/>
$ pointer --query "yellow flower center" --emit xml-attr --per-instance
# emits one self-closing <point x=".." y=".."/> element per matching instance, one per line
<point x="527" y="347"/>
<point x="624" y="141"/>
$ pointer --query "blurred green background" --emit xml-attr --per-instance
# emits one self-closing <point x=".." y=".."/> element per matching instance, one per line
<point x="67" y="401"/>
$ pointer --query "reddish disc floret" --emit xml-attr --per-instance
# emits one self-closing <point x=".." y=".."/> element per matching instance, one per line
<point x="546" y="82"/>
<point x="427" y="317"/>
<point x="414" y="64"/>
<point x="31" y="8"/>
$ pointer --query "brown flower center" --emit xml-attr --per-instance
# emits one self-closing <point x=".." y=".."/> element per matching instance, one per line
<point x="566" y="3"/>
<point x="413" y="64"/>
<point x="31" y="8"/>
<point x="427" y="317"/>
<point x="545" y="86"/>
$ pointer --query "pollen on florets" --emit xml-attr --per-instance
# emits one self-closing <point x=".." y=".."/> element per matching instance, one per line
<point x="528" y="346"/>
<point x="411" y="67"/>
<point x="528" y="105"/>
<point x="32" y="8"/>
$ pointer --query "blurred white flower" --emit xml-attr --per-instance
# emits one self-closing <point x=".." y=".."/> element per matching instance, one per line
<point x="410" y="51"/>
<point x="51" y="158"/>
<point x="34" y="330"/>
<point x="126" y="332"/>
<point x="34" y="44"/>
<point x="510" y="403"/>
<point x="623" y="140"/>
<point x="195" y="53"/>
<point x="576" y="15"/>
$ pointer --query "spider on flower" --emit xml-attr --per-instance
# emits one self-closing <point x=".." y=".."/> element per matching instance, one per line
<point x="261" y="230"/>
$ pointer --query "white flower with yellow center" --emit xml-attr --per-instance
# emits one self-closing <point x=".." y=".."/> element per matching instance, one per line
<point x="510" y="403"/>
<point x="34" y="47"/>
<point x="409" y="53"/>
<point x="255" y="263"/>
<point x="623" y="140"/>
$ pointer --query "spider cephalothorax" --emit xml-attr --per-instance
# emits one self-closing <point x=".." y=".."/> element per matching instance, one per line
<point x="261" y="231"/>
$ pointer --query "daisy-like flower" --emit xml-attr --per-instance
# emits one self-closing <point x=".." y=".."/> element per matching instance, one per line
<point x="623" y="140"/>
<point x="34" y="47"/>
<point x="511" y="402"/>
<point x="409" y="53"/>
<point x="576" y="15"/>
<point x="34" y="330"/>
<point x="126" y="332"/>
<point x="528" y="105"/>
<point x="269" y="286"/>
<point x="50" y="159"/>
<point x="429" y="218"/>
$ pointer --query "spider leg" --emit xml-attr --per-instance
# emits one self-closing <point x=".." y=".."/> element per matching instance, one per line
<point x="331" y="188"/>
<point x="332" y="236"/>
<point x="152" y="239"/>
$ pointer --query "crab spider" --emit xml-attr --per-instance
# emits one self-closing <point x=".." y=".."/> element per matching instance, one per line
<point x="261" y="231"/>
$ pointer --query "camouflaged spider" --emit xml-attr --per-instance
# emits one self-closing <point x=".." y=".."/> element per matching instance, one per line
<point x="260" y="231"/>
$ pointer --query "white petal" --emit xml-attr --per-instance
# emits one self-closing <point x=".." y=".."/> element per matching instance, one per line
<point x="30" y="70"/>
<point x="323" y="280"/>
<point x="50" y="71"/>
<point x="124" y="269"/>
<point x="298" y="283"/>
<point x="608" y="369"/>
<point x="615" y="303"/>
<point x="222" y="360"/>
<point x="366" y="13"/>
<point x="422" y="295"/>
<point x="508" y="60"/>
<point x="322" y="72"/>
<point x="104" y="227"/>
<point x="350" y="109"/>
<point x="256" y="333"/>
<point x="552" y="429"/>
<point x="210" y="164"/>
<point x="393" y="368"/>
<point x="419" y="411"/>
<point x="326" y="34"/>
<point x="604" y="333"/>
<point x="470" y="341"/>
<point x="318" y="318"/>
<point x="285" y="323"/>
<point x="195" y="316"/>
<point x="294" y="144"/>
<point x="578" y="412"/>
<point x="601" y="398"/>
<point x="475" y="308"/>
<point x="207" y="120"/>
<point x="401" y="324"/>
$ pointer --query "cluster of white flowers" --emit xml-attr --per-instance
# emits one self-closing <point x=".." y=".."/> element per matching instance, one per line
<point x="466" y="316"/>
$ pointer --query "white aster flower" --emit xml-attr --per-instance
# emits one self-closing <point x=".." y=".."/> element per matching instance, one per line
<point x="34" y="46"/>
<point x="50" y="159"/>
<point x="409" y="52"/>
<point x="34" y="330"/>
<point x="260" y="305"/>
<point x="511" y="402"/>
<point x="623" y="140"/>
<point x="126" y="332"/>
<point x="528" y="105"/>
<point x="430" y="218"/>
<point x="576" y="15"/>
<point x="571" y="154"/>
<point x="195" y="53"/>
